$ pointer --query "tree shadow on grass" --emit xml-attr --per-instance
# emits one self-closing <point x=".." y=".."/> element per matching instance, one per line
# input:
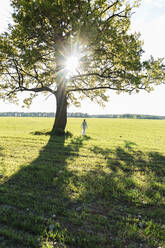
<point x="32" y="199"/>
<point x="50" y="133"/>
<point x="1" y="153"/>
<point x="133" y="195"/>
<point x="110" y="205"/>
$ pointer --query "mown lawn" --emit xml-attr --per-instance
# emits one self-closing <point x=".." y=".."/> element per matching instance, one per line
<point x="106" y="189"/>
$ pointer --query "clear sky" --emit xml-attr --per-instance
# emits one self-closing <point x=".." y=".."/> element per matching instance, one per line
<point x="149" y="20"/>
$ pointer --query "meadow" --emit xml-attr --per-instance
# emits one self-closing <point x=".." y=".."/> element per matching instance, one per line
<point x="102" y="190"/>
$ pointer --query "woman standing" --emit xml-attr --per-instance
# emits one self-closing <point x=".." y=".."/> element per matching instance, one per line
<point x="84" y="126"/>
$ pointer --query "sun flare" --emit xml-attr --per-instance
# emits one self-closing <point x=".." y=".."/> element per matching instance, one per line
<point x="72" y="64"/>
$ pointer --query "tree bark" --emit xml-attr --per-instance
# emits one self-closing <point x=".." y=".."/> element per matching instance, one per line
<point x="61" y="109"/>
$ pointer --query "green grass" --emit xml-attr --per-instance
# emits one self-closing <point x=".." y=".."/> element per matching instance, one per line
<point x="106" y="189"/>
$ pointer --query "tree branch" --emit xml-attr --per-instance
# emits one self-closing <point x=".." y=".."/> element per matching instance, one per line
<point x="91" y="74"/>
<point x="36" y="90"/>
<point x="99" y="88"/>
<point x="109" y="7"/>
<point x="117" y="14"/>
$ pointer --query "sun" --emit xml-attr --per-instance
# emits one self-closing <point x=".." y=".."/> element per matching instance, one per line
<point x="72" y="64"/>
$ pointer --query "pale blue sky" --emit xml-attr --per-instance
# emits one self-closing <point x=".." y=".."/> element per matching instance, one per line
<point x="149" y="20"/>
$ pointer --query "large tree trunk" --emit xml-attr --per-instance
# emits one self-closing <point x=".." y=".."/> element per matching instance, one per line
<point x="61" y="109"/>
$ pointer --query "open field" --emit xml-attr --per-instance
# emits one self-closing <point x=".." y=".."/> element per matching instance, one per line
<point x="103" y="190"/>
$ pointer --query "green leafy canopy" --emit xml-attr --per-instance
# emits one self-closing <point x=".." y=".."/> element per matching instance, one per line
<point x="34" y="50"/>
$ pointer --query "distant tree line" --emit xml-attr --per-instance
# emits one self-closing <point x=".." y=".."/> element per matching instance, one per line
<point x="39" y="114"/>
<point x="28" y="114"/>
<point x="129" y="116"/>
<point x="82" y="115"/>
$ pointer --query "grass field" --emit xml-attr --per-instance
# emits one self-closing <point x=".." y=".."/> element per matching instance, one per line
<point x="103" y="190"/>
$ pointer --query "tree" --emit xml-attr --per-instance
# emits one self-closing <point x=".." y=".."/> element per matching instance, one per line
<point x="73" y="49"/>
